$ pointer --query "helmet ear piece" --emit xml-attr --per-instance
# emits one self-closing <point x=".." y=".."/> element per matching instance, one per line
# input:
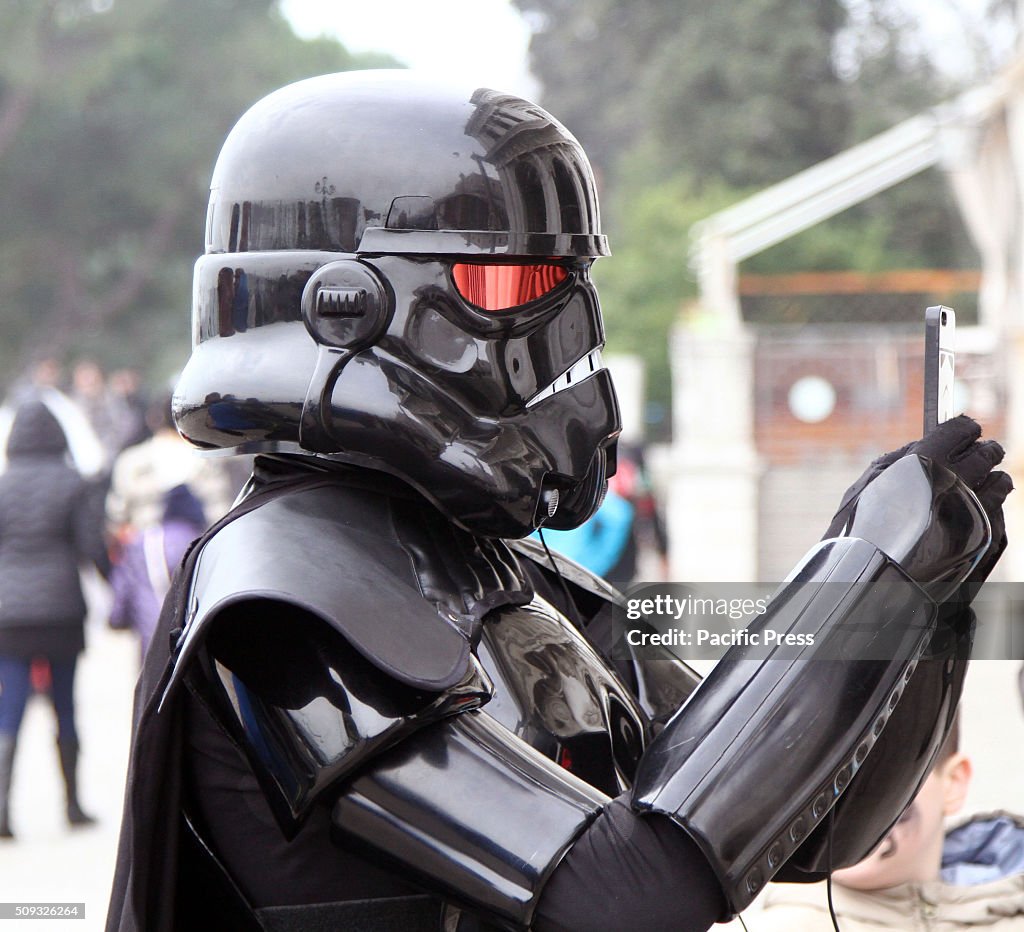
<point x="345" y="305"/>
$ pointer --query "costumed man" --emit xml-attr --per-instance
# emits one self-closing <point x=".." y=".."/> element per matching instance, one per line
<point x="370" y="704"/>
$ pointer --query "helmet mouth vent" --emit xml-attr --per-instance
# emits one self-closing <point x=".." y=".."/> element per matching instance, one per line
<point x="579" y="371"/>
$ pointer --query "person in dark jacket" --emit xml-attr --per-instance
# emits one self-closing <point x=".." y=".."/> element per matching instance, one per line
<point x="50" y="523"/>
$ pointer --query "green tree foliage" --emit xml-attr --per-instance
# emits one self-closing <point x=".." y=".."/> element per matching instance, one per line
<point x="745" y="93"/>
<point x="686" y="107"/>
<point x="111" y="116"/>
<point x="648" y="279"/>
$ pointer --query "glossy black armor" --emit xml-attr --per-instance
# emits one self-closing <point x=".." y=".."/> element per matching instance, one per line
<point x="526" y="662"/>
<point x="412" y="661"/>
<point x="326" y="319"/>
<point x="863" y="614"/>
<point x="470" y="734"/>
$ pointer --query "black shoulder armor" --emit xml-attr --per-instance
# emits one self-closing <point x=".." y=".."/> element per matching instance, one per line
<point x="305" y="707"/>
<point x="321" y="628"/>
<point x="377" y="569"/>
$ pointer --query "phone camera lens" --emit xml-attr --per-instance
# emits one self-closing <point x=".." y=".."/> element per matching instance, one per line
<point x="942" y="318"/>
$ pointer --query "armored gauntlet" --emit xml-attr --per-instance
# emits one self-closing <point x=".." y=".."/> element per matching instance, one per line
<point x="753" y="765"/>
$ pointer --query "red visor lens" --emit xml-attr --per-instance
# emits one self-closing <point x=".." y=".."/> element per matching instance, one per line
<point x="497" y="287"/>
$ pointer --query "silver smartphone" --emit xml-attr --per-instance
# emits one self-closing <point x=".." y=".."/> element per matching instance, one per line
<point x="939" y="330"/>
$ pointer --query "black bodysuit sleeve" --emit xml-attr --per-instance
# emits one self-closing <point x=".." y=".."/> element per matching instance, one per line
<point x="630" y="871"/>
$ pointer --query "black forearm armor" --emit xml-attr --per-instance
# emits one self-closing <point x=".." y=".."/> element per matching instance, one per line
<point x="758" y="757"/>
<point x="756" y="761"/>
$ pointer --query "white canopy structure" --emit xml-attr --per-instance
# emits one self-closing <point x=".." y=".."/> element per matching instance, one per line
<point x="969" y="137"/>
<point x="977" y="139"/>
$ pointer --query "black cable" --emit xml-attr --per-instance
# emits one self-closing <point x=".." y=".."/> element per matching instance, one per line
<point x="828" y="882"/>
<point x="570" y="605"/>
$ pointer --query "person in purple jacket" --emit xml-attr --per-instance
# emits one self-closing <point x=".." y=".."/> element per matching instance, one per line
<point x="141" y="578"/>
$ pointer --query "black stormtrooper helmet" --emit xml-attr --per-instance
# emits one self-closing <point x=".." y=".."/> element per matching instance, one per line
<point x="397" y="277"/>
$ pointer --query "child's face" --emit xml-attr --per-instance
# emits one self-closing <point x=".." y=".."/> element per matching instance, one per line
<point x="912" y="851"/>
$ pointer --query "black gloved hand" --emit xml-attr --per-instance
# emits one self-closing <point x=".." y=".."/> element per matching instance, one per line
<point x="955" y="445"/>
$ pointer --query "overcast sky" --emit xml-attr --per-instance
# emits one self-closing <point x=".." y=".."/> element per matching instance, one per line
<point x="486" y="40"/>
<point x="483" y="40"/>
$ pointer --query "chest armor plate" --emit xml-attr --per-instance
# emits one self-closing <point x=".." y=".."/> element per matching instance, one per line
<point x="553" y="690"/>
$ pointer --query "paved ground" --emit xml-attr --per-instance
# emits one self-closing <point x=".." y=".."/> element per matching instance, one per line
<point x="50" y="863"/>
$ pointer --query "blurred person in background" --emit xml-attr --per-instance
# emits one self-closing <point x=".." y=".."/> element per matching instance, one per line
<point x="43" y="382"/>
<point x="634" y="484"/>
<point x="90" y="392"/>
<point x="44" y="374"/>
<point x="142" y="575"/>
<point x="129" y="404"/>
<point x="143" y="474"/>
<point x="51" y="523"/>
<point x="921" y="877"/>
